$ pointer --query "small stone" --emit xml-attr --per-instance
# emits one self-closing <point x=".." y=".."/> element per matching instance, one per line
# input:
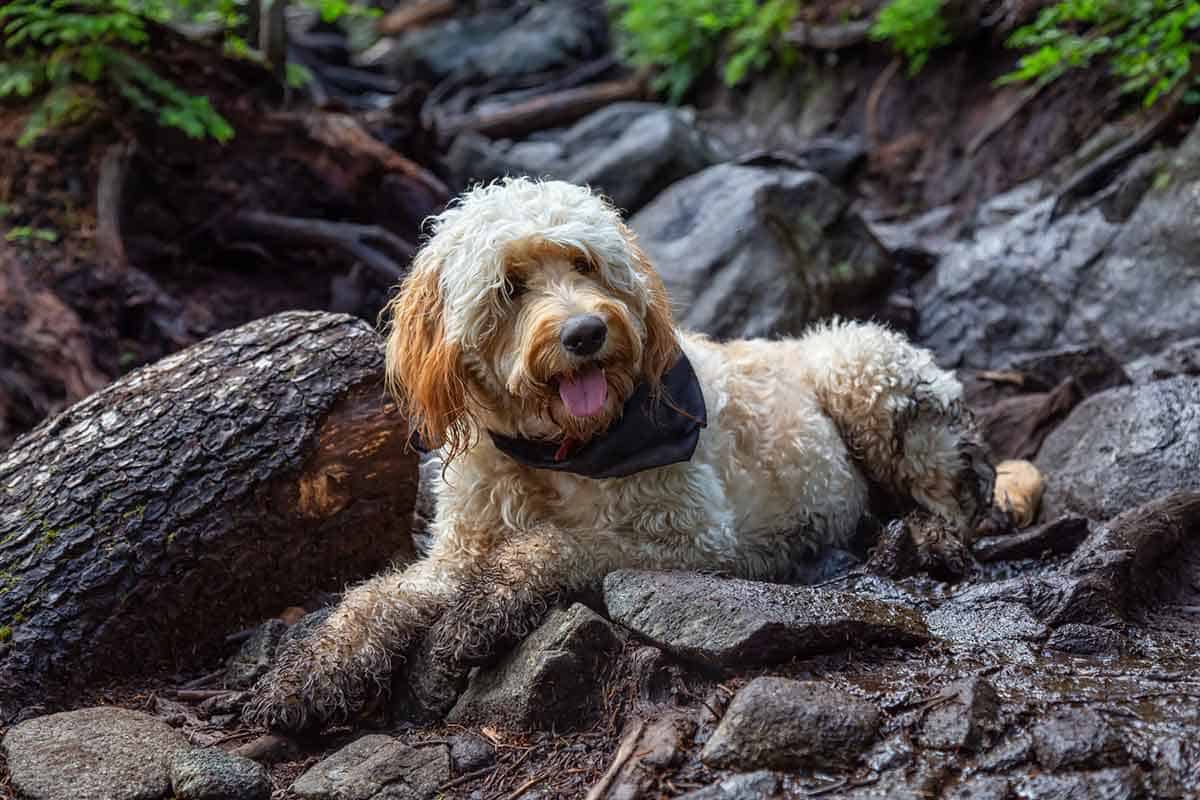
<point x="981" y="787"/>
<point x="551" y="680"/>
<point x="1119" y="783"/>
<point x="746" y="786"/>
<point x="1077" y="737"/>
<point x="892" y="753"/>
<point x="469" y="752"/>
<point x="376" y="767"/>
<point x="785" y="724"/>
<point x="1086" y="640"/>
<point x="967" y="721"/>
<point x="985" y="622"/>
<point x="1013" y="751"/>
<point x="92" y="754"/>
<point x="212" y="774"/>
<point x="723" y="622"/>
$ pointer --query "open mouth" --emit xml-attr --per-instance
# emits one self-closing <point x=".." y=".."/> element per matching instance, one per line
<point x="584" y="392"/>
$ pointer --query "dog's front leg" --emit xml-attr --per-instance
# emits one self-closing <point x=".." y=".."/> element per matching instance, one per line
<point x="508" y="593"/>
<point x="330" y="674"/>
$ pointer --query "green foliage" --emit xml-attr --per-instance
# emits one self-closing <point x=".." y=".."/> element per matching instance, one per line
<point x="24" y="233"/>
<point x="1148" y="44"/>
<point x="52" y="50"/>
<point x="915" y="28"/>
<point x="683" y="38"/>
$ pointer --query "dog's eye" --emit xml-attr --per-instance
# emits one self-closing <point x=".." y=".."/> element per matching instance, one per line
<point x="513" y="288"/>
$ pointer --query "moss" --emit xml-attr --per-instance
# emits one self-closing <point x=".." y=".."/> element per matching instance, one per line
<point x="5" y="633"/>
<point x="18" y="618"/>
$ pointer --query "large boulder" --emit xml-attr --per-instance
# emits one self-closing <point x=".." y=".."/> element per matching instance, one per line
<point x="757" y="251"/>
<point x="1122" y="448"/>
<point x="735" y="623"/>
<point x="1123" y="279"/>
<point x="628" y="151"/>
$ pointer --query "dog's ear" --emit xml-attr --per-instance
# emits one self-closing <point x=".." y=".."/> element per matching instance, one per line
<point x="423" y="371"/>
<point x="661" y="348"/>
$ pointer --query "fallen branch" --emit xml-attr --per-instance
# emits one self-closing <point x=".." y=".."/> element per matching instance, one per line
<point x="624" y="753"/>
<point x="377" y="248"/>
<point x="829" y="37"/>
<point x="414" y="15"/>
<point x="110" y="247"/>
<point x="548" y="111"/>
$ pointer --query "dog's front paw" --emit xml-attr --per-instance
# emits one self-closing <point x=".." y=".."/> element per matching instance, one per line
<point x="311" y="688"/>
<point x="280" y="702"/>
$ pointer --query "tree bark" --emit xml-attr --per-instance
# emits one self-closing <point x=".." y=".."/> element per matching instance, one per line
<point x="197" y="494"/>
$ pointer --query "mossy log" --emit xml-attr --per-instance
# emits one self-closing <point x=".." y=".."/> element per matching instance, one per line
<point x="193" y="496"/>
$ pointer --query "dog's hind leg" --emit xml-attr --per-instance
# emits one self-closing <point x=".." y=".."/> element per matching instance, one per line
<point x="903" y="419"/>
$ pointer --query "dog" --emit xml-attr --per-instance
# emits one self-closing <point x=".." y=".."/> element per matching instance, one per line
<point x="580" y="431"/>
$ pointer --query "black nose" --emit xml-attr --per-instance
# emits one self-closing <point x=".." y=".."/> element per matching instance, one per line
<point x="583" y="335"/>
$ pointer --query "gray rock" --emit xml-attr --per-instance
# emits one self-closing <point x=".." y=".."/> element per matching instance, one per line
<point x="92" y="754"/>
<point x="1119" y="783"/>
<point x="746" y="786"/>
<point x="1013" y="751"/>
<point x="981" y="787"/>
<point x="553" y="679"/>
<point x="722" y="622"/>
<point x="892" y="753"/>
<point x="212" y="774"/>
<point x="628" y="151"/>
<point x="751" y="251"/>
<point x="973" y="622"/>
<point x="376" y="767"/>
<point x="469" y="752"/>
<point x="253" y="658"/>
<point x="1179" y="358"/>
<point x="966" y="722"/>
<point x="785" y="724"/>
<point x="1077" y="737"/>
<point x="1086" y="640"/>
<point x="1035" y="282"/>
<point x="1122" y="448"/>
<point x="433" y="52"/>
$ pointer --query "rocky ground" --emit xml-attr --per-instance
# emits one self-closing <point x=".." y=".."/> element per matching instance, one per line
<point x="997" y="228"/>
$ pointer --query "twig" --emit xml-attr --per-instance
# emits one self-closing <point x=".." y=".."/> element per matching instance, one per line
<point x="203" y="681"/>
<point x="379" y="249"/>
<point x="196" y="695"/>
<point x="871" y="125"/>
<point x="470" y="776"/>
<point x="414" y="15"/>
<point x="996" y="125"/>
<point x="527" y="785"/>
<point x="624" y="753"/>
<point x="829" y="37"/>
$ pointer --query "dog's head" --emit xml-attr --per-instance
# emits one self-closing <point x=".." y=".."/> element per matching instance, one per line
<point x="531" y="311"/>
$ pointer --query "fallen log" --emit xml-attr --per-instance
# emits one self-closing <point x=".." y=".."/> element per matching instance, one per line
<point x="210" y="489"/>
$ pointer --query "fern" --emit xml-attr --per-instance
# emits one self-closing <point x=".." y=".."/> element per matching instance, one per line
<point x="1149" y="45"/>
<point x="914" y="28"/>
<point x="683" y="38"/>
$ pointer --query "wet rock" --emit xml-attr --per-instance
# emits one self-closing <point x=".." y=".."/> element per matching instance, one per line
<point x="1124" y="447"/>
<point x="1121" y="783"/>
<point x="1086" y="640"/>
<point x="981" y="787"/>
<point x="785" y="724"/>
<point x="628" y="151"/>
<point x="469" y="752"/>
<point x="746" y="786"/>
<point x="1060" y="536"/>
<point x="1179" y="358"/>
<point x="92" y="754"/>
<point x="376" y="767"/>
<point x="974" y="622"/>
<point x="721" y="622"/>
<point x="1077" y="738"/>
<point x="1012" y="751"/>
<point x="553" y="679"/>
<point x="253" y="658"/>
<point x="967" y="721"/>
<point x="212" y="774"/>
<point x="1036" y="282"/>
<point x="752" y="251"/>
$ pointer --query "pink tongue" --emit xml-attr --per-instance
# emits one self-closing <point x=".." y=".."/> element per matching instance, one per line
<point x="584" y="396"/>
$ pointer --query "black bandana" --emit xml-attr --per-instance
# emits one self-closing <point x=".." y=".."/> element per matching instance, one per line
<point x="650" y="433"/>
